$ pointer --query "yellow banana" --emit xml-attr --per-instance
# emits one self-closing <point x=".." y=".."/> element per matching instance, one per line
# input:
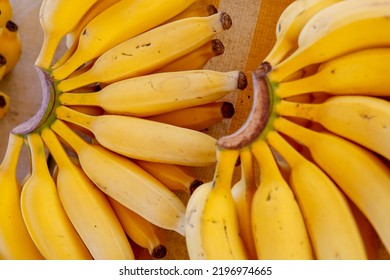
<point x="362" y="119"/>
<point x="4" y="104"/>
<point x="87" y="207"/>
<point x="11" y="46"/>
<point x="362" y="176"/>
<point x="354" y="25"/>
<point x="242" y="193"/>
<point x="330" y="223"/>
<point x="139" y="230"/>
<point x="58" y="18"/>
<point x="15" y="241"/>
<point x="43" y="213"/>
<point x="149" y="51"/>
<point x="3" y="66"/>
<point x="199" y="117"/>
<point x="279" y="228"/>
<point x="175" y="177"/>
<point x="6" y="12"/>
<point x="146" y="140"/>
<point x="196" y="9"/>
<point x="126" y="182"/>
<point x="129" y="18"/>
<point x="212" y="230"/>
<point x="360" y="73"/>
<point x="160" y="93"/>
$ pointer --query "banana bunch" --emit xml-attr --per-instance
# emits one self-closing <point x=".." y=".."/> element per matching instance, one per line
<point x="120" y="131"/>
<point x="314" y="152"/>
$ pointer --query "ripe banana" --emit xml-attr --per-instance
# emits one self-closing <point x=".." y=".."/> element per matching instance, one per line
<point x="4" y="104"/>
<point x="45" y="218"/>
<point x="160" y="93"/>
<point x="148" y="51"/>
<point x="212" y="230"/>
<point x="15" y="241"/>
<point x="354" y="25"/>
<point x="199" y="117"/>
<point x="129" y="18"/>
<point x="6" y="12"/>
<point x="3" y="66"/>
<point x="146" y="140"/>
<point x="87" y="207"/>
<point x="196" y="9"/>
<point x="11" y="46"/>
<point x="362" y="176"/>
<point x="362" y="119"/>
<point x="126" y="182"/>
<point x="279" y="228"/>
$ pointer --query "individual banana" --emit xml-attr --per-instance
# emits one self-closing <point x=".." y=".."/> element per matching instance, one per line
<point x="11" y="46"/>
<point x="126" y="182"/>
<point x="45" y="218"/>
<point x="212" y="230"/>
<point x="130" y="18"/>
<point x="149" y="51"/>
<point x="330" y="223"/>
<point x="87" y="207"/>
<point x="146" y="140"/>
<point x="362" y="119"/>
<point x="354" y="25"/>
<point x="199" y="117"/>
<point x="15" y="241"/>
<point x="279" y="229"/>
<point x="360" y="174"/>
<point x="140" y="230"/>
<point x="357" y="73"/>
<point x="4" y="104"/>
<point x="58" y="18"/>
<point x="6" y="12"/>
<point x="160" y="93"/>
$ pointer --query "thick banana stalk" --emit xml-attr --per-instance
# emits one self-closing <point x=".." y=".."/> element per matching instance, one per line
<point x="116" y="24"/>
<point x="146" y="140"/>
<point x="160" y="93"/>
<point x="362" y="119"/>
<point x="15" y="241"/>
<point x="11" y="46"/>
<point x="6" y="12"/>
<point x="279" y="228"/>
<point x="362" y="176"/>
<point x="126" y="182"/>
<point x="354" y="25"/>
<point x="43" y="213"/>
<point x="87" y="207"/>
<point x="149" y="51"/>
<point x="58" y="18"/>
<point x="330" y="223"/>
<point x="4" y="104"/>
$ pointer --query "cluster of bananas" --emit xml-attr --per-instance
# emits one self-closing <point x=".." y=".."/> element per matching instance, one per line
<point x="10" y="49"/>
<point x="315" y="149"/>
<point x="123" y="114"/>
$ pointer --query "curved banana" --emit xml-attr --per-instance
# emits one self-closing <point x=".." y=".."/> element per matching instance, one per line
<point x="11" y="46"/>
<point x="196" y="9"/>
<point x="279" y="228"/>
<point x="87" y="207"/>
<point x="199" y="117"/>
<point x="160" y="93"/>
<point x="330" y="223"/>
<point x="4" y="104"/>
<point x="144" y="139"/>
<point x="6" y="12"/>
<point x="126" y="182"/>
<point x="362" y="119"/>
<point x="58" y="18"/>
<point x="43" y="213"/>
<point x="139" y="230"/>
<point x="354" y="25"/>
<point x="15" y="241"/>
<point x="362" y="176"/>
<point x="129" y="18"/>
<point x="212" y="230"/>
<point x="149" y="51"/>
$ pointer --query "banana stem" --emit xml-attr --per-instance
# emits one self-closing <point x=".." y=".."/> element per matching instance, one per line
<point x="80" y="119"/>
<point x="300" y="110"/>
<point x="56" y="149"/>
<point x="90" y="99"/>
<point x="295" y="131"/>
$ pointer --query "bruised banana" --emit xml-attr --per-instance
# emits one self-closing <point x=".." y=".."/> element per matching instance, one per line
<point x="4" y="104"/>
<point x="160" y="93"/>
<point x="149" y="51"/>
<point x="144" y="139"/>
<point x="121" y="21"/>
<point x="133" y="187"/>
<point x="11" y="45"/>
<point x="87" y="207"/>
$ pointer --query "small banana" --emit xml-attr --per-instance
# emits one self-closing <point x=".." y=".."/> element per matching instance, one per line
<point x="11" y="46"/>
<point x="15" y="241"/>
<point x="4" y="104"/>
<point x="6" y="12"/>
<point x="149" y="51"/>
<point x="45" y="218"/>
